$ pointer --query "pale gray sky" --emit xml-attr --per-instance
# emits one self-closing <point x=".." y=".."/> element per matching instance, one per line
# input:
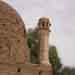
<point x="62" y="13"/>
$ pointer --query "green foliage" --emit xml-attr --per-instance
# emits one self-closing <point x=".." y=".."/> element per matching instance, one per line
<point x="33" y="44"/>
<point x="68" y="71"/>
<point x="54" y="60"/>
<point x="73" y="71"/>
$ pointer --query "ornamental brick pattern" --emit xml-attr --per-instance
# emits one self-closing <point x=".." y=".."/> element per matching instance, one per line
<point x="13" y="47"/>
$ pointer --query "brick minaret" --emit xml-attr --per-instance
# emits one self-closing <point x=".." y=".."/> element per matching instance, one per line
<point x="44" y="25"/>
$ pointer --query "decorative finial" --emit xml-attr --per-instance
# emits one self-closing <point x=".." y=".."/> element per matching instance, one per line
<point x="44" y="22"/>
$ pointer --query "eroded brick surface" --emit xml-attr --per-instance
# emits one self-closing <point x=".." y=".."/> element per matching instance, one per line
<point x="14" y="53"/>
<point x="12" y="36"/>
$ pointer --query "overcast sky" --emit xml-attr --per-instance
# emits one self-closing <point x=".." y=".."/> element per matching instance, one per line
<point x="62" y="15"/>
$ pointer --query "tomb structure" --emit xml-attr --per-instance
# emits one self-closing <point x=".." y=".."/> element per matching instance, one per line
<point x="14" y="52"/>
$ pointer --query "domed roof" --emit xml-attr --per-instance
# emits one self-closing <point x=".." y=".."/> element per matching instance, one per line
<point x="9" y="14"/>
<point x="12" y="35"/>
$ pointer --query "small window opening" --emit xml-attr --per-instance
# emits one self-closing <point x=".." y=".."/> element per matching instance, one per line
<point x="43" y="23"/>
<point x="4" y="24"/>
<point x="40" y="72"/>
<point x="18" y="70"/>
<point x="1" y="47"/>
<point x="18" y="41"/>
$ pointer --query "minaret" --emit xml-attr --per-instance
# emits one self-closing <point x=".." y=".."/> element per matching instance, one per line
<point x="44" y="25"/>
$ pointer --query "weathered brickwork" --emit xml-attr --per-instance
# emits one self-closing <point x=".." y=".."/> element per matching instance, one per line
<point x="14" y="53"/>
<point x="12" y="36"/>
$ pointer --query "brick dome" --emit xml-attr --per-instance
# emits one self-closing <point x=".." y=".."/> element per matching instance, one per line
<point x="12" y="35"/>
<point x="8" y="14"/>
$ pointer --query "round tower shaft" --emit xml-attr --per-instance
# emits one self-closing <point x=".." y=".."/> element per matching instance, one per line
<point x="44" y="25"/>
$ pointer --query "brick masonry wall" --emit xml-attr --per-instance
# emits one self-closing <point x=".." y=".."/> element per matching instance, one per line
<point x="13" y="47"/>
<point x="25" y="69"/>
<point x="14" y="53"/>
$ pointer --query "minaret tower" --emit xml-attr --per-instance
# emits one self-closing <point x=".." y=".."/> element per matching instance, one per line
<point x="44" y="25"/>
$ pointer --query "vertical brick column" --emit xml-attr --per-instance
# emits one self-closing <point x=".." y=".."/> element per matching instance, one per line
<point x="45" y="67"/>
<point x="44" y="25"/>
